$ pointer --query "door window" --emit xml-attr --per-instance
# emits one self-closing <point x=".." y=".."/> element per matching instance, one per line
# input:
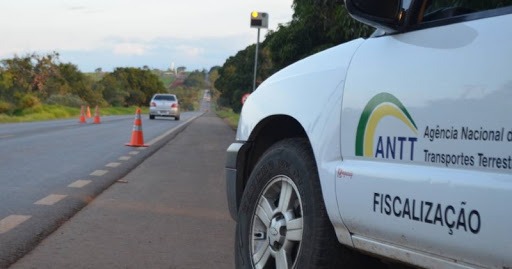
<point x="434" y="10"/>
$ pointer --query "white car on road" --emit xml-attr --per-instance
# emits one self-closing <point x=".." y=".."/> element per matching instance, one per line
<point x="164" y="105"/>
<point x="403" y="151"/>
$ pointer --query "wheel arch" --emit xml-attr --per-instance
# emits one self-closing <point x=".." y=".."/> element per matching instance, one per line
<point x="266" y="133"/>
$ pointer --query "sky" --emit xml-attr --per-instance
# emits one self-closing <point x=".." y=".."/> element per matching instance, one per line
<point x="196" y="34"/>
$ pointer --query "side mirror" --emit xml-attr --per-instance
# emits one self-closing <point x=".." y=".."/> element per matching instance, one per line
<point x="381" y="14"/>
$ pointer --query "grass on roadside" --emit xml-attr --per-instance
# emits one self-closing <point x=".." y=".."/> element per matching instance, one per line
<point x="53" y="112"/>
<point x="229" y="116"/>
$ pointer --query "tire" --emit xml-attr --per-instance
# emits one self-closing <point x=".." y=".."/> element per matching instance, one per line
<point x="151" y="117"/>
<point x="177" y="118"/>
<point x="295" y="232"/>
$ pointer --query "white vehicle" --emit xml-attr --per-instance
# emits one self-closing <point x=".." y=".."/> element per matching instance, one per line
<point x="403" y="151"/>
<point x="164" y="105"/>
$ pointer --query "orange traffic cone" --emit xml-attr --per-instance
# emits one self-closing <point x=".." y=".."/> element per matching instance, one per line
<point x="97" y="115"/>
<point x="82" y="115"/>
<point x="88" y="112"/>
<point x="137" y="136"/>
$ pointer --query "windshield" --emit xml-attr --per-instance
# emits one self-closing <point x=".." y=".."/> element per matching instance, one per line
<point x="165" y="98"/>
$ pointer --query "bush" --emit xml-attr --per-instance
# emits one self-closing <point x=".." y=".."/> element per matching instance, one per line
<point x="33" y="110"/>
<point x="189" y="98"/>
<point x="68" y="100"/>
<point x="5" y="107"/>
<point x="29" y="101"/>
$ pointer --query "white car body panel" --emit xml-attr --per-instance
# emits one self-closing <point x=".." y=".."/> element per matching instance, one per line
<point x="453" y="78"/>
<point x="309" y="91"/>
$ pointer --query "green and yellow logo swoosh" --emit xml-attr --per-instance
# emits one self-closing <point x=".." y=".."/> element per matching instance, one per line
<point x="380" y="106"/>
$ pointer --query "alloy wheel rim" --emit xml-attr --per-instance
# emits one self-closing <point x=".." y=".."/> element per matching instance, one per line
<point x="277" y="225"/>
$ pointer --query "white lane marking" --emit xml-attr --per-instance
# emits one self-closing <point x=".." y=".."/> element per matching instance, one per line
<point x="11" y="222"/>
<point x="6" y="136"/>
<point x="124" y="158"/>
<point x="113" y="164"/>
<point x="158" y="138"/>
<point x="133" y="152"/>
<point x="79" y="183"/>
<point x="51" y="199"/>
<point x="99" y="173"/>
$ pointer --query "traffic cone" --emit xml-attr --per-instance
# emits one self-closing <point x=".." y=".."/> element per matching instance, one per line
<point x="82" y="115"/>
<point x="88" y="112"/>
<point x="137" y="136"/>
<point x="97" y="115"/>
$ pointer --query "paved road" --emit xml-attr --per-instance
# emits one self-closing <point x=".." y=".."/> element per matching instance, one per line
<point x="170" y="212"/>
<point x="50" y="170"/>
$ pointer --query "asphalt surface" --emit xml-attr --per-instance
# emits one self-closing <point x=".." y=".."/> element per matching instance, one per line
<point x="50" y="170"/>
<point x="169" y="212"/>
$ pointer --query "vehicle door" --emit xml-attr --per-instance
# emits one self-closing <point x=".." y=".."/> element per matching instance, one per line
<point x="427" y="136"/>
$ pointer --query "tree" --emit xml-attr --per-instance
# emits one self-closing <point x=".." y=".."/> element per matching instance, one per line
<point x="33" y="78"/>
<point x="130" y="86"/>
<point x="236" y="77"/>
<point x="196" y="79"/>
<point x="18" y="72"/>
<point x="213" y="75"/>
<point x="316" y="25"/>
<point x="113" y="90"/>
<point x="81" y="85"/>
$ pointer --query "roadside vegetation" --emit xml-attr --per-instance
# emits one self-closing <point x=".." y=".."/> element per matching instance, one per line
<point x="315" y="26"/>
<point x="51" y="112"/>
<point x="230" y="117"/>
<point x="40" y="87"/>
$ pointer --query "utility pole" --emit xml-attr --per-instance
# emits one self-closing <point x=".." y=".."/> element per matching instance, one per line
<point x="258" y="20"/>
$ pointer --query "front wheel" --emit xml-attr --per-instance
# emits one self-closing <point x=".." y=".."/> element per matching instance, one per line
<point x="282" y="220"/>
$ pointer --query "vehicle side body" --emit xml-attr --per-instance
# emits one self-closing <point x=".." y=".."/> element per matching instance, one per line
<point x="411" y="136"/>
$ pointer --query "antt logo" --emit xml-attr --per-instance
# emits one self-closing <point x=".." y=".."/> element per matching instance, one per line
<point x="387" y="147"/>
<point x="396" y="147"/>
